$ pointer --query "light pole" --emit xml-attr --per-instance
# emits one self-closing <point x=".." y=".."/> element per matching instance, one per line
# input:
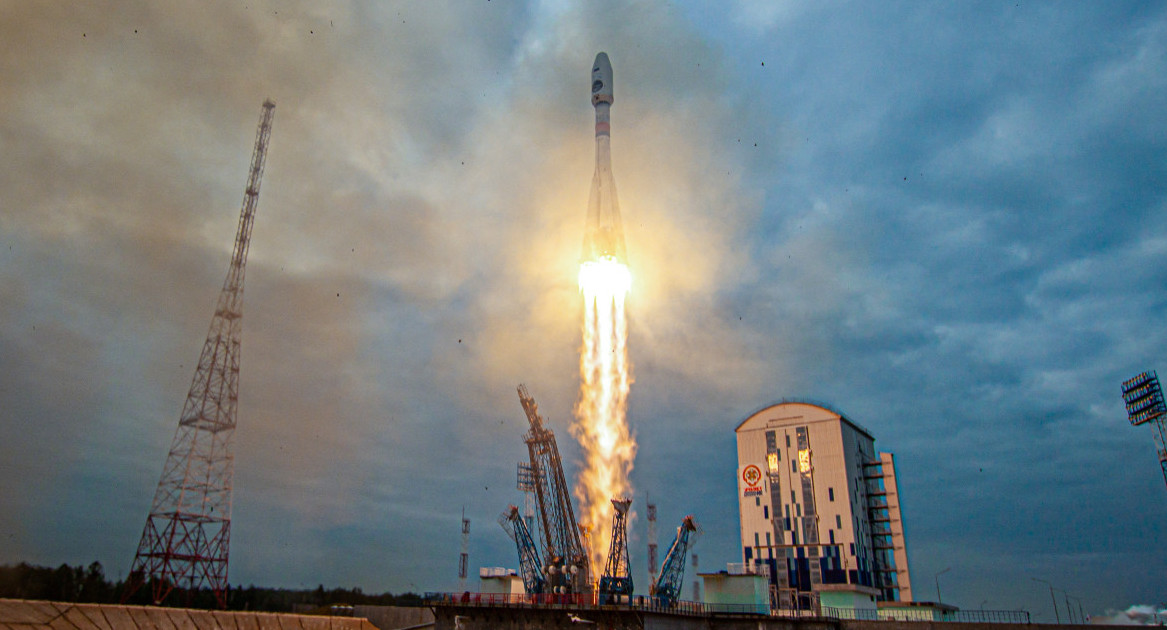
<point x="1051" y="598"/>
<point x="937" y="578"/>
<point x="1069" y="611"/>
<point x="1081" y="616"/>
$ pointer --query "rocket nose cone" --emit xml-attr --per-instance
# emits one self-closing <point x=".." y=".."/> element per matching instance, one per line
<point x="601" y="80"/>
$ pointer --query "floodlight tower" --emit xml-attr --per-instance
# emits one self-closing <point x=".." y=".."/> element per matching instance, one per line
<point x="1144" y="404"/>
<point x="526" y="484"/>
<point x="188" y="530"/>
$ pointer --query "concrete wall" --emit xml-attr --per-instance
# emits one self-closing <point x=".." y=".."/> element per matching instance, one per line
<point x="740" y="590"/>
<point x="456" y="617"/>
<point x="934" y="625"/>
<point x="394" y="617"/>
<point x="847" y="599"/>
<point x="20" y="614"/>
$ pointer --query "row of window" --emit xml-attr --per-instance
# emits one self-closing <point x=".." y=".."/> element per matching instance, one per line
<point x="794" y="535"/>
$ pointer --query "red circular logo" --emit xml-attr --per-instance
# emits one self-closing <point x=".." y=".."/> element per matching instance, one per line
<point x="751" y="475"/>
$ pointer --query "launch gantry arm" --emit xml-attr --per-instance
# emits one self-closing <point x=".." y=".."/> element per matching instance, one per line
<point x="667" y="588"/>
<point x="530" y="567"/>
<point x="568" y="567"/>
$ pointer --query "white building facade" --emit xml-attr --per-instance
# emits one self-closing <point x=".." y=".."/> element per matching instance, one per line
<point x="820" y="510"/>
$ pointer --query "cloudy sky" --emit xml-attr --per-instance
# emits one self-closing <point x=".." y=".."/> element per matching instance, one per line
<point x="946" y="220"/>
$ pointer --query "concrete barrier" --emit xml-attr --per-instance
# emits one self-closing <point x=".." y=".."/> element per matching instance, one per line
<point x="22" y="614"/>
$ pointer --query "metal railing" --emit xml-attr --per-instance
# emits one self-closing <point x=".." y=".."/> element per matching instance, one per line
<point x="928" y="614"/>
<point x="648" y="604"/>
<point x="589" y="601"/>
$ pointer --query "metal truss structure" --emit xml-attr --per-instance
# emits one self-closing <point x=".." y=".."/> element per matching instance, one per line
<point x="188" y="532"/>
<point x="1144" y="404"/>
<point x="616" y="582"/>
<point x="530" y="566"/>
<point x="568" y="568"/>
<point x="667" y="588"/>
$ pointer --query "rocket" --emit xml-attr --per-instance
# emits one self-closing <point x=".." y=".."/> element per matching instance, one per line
<point x="603" y="235"/>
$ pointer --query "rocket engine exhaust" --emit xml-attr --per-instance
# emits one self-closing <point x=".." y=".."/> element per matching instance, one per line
<point x="605" y="373"/>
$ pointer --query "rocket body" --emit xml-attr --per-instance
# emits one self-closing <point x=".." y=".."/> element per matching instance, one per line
<point x="604" y="234"/>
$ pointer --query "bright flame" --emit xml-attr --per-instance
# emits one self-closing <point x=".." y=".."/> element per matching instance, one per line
<point x="608" y="446"/>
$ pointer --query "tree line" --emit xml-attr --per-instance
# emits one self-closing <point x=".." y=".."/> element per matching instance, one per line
<point x="90" y="585"/>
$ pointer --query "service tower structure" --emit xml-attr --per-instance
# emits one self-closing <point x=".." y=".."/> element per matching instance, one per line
<point x="188" y="531"/>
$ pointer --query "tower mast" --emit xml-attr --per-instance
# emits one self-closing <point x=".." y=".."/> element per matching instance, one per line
<point x="188" y="531"/>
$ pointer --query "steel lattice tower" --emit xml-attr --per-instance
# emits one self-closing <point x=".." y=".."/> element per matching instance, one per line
<point x="651" y="541"/>
<point x="464" y="557"/>
<point x="188" y="532"/>
<point x="617" y="578"/>
<point x="568" y="567"/>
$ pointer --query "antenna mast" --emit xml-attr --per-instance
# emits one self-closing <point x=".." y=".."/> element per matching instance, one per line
<point x="188" y="532"/>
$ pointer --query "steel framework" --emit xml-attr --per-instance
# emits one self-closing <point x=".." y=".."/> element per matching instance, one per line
<point x="568" y="569"/>
<point x="530" y="566"/>
<point x="526" y="483"/>
<point x="188" y="532"/>
<point x="617" y="578"/>
<point x="1144" y="404"/>
<point x="464" y="557"/>
<point x="667" y="588"/>
<point x="651" y="541"/>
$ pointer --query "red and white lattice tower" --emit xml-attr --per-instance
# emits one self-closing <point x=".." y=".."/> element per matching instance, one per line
<point x="464" y="557"/>
<point x="651" y="542"/>
<point x="188" y="532"/>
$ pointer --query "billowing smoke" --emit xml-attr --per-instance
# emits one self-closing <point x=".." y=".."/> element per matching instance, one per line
<point x="1136" y="615"/>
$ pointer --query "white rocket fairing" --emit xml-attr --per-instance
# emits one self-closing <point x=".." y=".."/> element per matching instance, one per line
<point x="604" y="235"/>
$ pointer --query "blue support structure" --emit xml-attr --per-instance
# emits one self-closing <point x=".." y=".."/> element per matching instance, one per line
<point x="529" y="563"/>
<point x="667" y="588"/>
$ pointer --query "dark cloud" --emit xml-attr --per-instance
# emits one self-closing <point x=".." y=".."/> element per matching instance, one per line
<point x="944" y="221"/>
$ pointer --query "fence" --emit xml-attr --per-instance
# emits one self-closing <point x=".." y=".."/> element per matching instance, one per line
<point x="927" y="614"/>
<point x="647" y="604"/>
<point x="588" y="601"/>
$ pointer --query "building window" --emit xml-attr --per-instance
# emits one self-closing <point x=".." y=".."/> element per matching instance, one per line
<point x="756" y="543"/>
<point x="831" y="493"/>
<point x="831" y="533"/>
<point x="768" y="539"/>
<point x="793" y="466"/>
<point x="838" y="521"/>
<point x="852" y="547"/>
<point x="787" y="440"/>
<point x="766" y="512"/>
<point x="792" y="497"/>
<point x="757" y="500"/>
